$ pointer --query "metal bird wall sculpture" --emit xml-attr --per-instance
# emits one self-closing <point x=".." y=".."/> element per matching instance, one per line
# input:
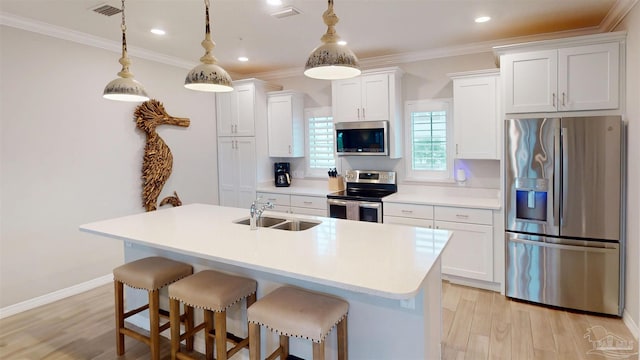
<point x="158" y="160"/>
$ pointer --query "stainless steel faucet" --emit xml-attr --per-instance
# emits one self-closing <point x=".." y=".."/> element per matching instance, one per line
<point x="255" y="212"/>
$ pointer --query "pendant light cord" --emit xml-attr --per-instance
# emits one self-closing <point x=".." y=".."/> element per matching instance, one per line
<point x="207" y="43"/>
<point x="124" y="60"/>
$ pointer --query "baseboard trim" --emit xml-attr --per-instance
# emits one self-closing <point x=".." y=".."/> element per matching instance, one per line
<point x="631" y="325"/>
<point x="54" y="296"/>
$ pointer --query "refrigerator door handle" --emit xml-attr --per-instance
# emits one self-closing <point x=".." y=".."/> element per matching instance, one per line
<point x="556" y="177"/>
<point x="565" y="165"/>
<point x="590" y="249"/>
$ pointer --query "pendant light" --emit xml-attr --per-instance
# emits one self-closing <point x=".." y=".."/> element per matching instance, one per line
<point x="331" y="61"/>
<point x="125" y="87"/>
<point x="208" y="76"/>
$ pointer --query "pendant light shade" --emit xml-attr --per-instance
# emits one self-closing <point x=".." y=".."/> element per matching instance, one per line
<point x="125" y="87"/>
<point x="208" y="76"/>
<point x="331" y="61"/>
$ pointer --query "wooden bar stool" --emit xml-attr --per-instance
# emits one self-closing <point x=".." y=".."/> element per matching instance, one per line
<point x="214" y="292"/>
<point x="300" y="313"/>
<point x="150" y="274"/>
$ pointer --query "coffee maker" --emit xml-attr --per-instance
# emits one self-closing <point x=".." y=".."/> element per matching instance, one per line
<point x="282" y="174"/>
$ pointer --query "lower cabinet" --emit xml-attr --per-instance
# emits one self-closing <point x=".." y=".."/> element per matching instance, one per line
<point x="296" y="204"/>
<point x="237" y="171"/>
<point x="469" y="253"/>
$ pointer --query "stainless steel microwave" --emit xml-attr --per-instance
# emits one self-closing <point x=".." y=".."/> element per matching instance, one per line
<point x="362" y="138"/>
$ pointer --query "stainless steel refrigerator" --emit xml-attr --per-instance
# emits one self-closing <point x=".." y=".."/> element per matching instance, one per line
<point x="564" y="212"/>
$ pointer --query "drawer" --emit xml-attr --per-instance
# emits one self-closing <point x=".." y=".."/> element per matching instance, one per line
<point x="408" y="210"/>
<point x="464" y="215"/>
<point x="313" y="202"/>
<point x="309" y="211"/>
<point x="277" y="199"/>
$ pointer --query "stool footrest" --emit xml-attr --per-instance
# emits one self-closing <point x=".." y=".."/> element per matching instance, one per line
<point x="135" y="311"/>
<point x="135" y="335"/>
<point x="238" y="342"/>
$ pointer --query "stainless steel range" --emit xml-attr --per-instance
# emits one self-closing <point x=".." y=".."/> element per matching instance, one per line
<point x="362" y="198"/>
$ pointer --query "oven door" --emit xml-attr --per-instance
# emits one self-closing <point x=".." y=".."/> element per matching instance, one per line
<point x="337" y="208"/>
<point x="355" y="210"/>
<point x="370" y="211"/>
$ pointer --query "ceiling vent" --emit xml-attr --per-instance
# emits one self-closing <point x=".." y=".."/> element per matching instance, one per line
<point x="106" y="9"/>
<point x="286" y="12"/>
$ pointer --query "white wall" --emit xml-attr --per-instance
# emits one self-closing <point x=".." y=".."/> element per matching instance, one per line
<point x="68" y="157"/>
<point x="631" y="24"/>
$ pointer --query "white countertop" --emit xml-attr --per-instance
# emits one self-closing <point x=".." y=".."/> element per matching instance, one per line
<point x="389" y="261"/>
<point x="447" y="196"/>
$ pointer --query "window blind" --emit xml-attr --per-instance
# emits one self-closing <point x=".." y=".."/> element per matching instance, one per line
<point x="321" y="142"/>
<point x="429" y="140"/>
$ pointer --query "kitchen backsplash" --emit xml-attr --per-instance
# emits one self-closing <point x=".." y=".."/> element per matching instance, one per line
<point x="479" y="173"/>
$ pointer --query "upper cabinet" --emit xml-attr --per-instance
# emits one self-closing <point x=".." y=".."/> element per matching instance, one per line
<point x="286" y="123"/>
<point x="236" y="110"/>
<point x="576" y="74"/>
<point x="375" y="95"/>
<point x="476" y="115"/>
<point x="363" y="98"/>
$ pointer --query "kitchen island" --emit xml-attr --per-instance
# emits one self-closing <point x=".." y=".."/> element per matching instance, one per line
<point x="389" y="274"/>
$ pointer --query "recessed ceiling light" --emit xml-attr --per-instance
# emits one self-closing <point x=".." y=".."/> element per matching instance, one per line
<point x="243" y="58"/>
<point x="482" y="19"/>
<point x="158" y="31"/>
<point x="274" y="2"/>
<point x="342" y="42"/>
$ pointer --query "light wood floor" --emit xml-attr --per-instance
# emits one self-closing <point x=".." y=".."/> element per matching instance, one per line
<point x="477" y="324"/>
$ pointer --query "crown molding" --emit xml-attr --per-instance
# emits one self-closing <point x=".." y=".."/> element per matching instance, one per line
<point x="616" y="14"/>
<point x="59" y="32"/>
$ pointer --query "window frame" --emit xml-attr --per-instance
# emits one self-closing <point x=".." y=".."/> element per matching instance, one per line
<point x="429" y="105"/>
<point x="312" y="112"/>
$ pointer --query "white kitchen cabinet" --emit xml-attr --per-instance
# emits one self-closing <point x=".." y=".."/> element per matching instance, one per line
<point x="296" y="204"/>
<point x="281" y="202"/>
<point x="309" y="205"/>
<point x="363" y="98"/>
<point x="237" y="171"/>
<point x="285" y="123"/>
<point x="476" y="114"/>
<point x="408" y="214"/>
<point x="565" y="78"/>
<point x="469" y="253"/>
<point x="235" y="110"/>
<point x="373" y="96"/>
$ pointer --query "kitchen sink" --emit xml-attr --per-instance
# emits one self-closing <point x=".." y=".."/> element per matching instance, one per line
<point x="295" y="225"/>
<point x="264" y="221"/>
<point x="281" y="223"/>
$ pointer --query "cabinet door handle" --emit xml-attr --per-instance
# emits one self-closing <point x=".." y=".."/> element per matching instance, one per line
<point x="358" y="113"/>
<point x="363" y="116"/>
<point x="554" y="99"/>
<point x="289" y="149"/>
<point x="563" y="96"/>
<point x="462" y="216"/>
<point x="457" y="149"/>
<point x="429" y="227"/>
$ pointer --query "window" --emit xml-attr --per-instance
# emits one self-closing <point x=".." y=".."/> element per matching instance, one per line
<point x="428" y="139"/>
<point x="320" y="149"/>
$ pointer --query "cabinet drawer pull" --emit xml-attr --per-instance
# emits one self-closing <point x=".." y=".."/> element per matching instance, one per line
<point x="271" y="199"/>
<point x="462" y="216"/>
<point x="407" y="211"/>
<point x="307" y="202"/>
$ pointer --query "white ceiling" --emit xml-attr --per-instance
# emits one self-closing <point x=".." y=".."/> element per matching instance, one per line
<point x="378" y="31"/>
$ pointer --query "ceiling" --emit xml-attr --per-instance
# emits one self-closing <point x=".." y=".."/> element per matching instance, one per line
<point x="378" y="31"/>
